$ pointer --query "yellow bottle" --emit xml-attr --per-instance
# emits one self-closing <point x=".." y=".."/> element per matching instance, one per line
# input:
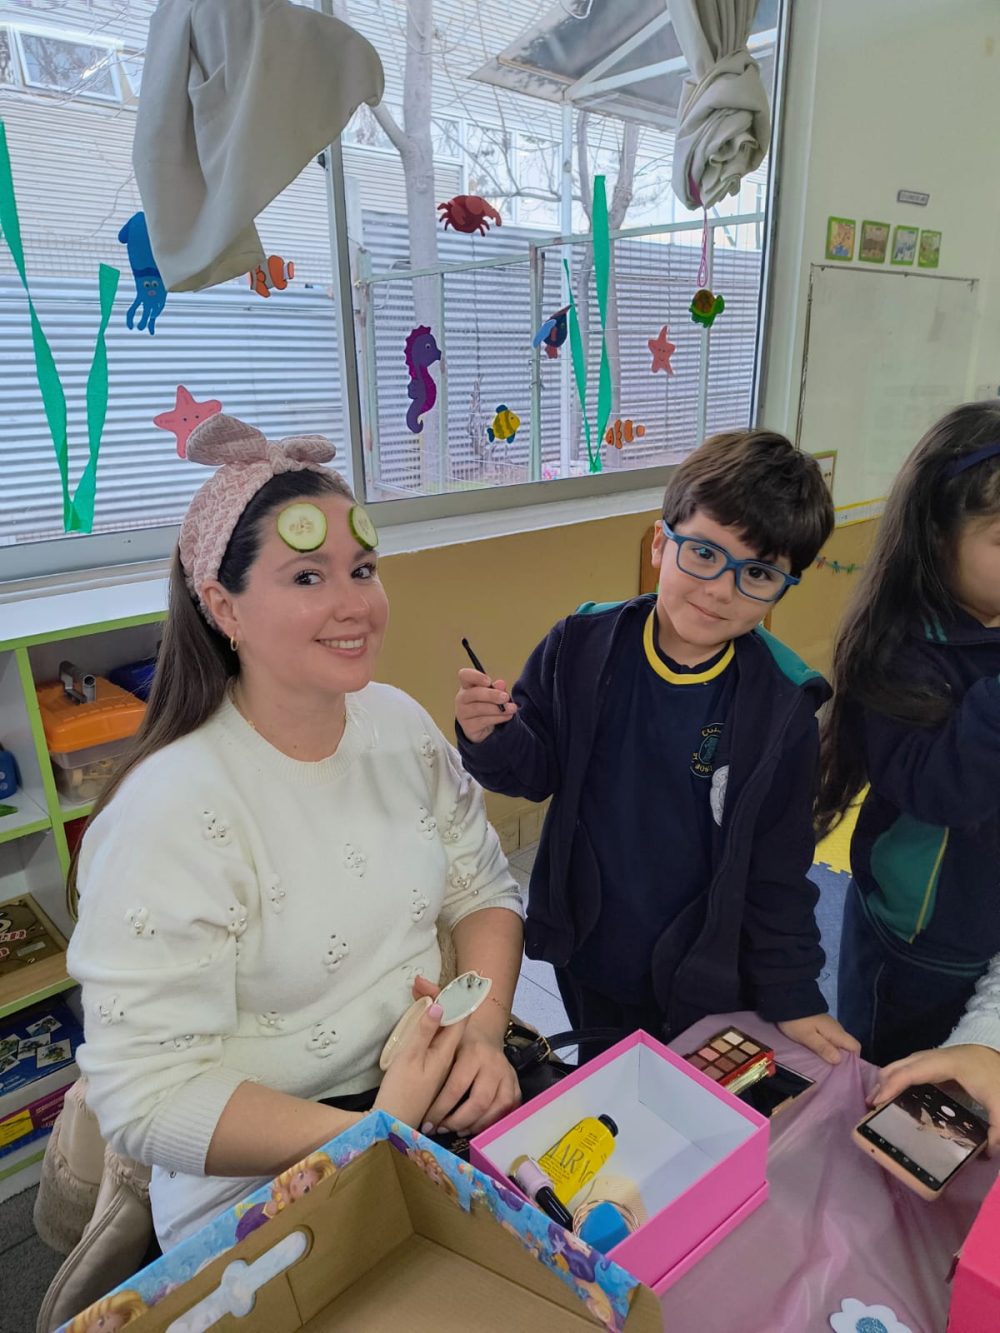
<point x="579" y="1155"/>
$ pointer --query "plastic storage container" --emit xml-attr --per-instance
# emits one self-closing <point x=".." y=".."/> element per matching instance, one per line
<point x="87" y="740"/>
<point x="136" y="677"/>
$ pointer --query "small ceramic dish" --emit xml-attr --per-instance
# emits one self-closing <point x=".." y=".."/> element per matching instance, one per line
<point x="459" y="999"/>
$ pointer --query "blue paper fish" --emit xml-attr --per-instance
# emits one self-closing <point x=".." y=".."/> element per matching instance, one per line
<point x="552" y="333"/>
<point x="505" y="425"/>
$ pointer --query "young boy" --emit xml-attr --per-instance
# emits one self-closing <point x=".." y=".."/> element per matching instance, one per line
<point x="678" y="742"/>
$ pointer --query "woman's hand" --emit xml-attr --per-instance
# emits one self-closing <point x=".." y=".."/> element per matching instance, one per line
<point x="974" y="1068"/>
<point x="822" y="1034"/>
<point x="482" y="1085"/>
<point x="419" y="1068"/>
<point x="481" y="704"/>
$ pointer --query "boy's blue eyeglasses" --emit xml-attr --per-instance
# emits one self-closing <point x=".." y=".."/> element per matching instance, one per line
<point x="705" y="560"/>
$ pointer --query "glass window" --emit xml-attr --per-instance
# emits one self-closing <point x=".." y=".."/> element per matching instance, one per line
<point x="477" y="404"/>
<point x="69" y="66"/>
<point x="8" y="70"/>
<point x="482" y="406"/>
<point x="274" y="361"/>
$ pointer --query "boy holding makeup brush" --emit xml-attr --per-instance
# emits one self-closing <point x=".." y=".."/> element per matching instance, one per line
<point x="678" y="742"/>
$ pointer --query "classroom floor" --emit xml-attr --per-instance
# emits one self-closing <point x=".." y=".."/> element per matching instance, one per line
<point x="28" y="1265"/>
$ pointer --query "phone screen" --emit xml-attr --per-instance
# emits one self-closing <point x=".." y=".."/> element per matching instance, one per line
<point x="927" y="1132"/>
<point x="770" y="1094"/>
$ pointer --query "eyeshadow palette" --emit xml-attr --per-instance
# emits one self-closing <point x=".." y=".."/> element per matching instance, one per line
<point x="733" y="1059"/>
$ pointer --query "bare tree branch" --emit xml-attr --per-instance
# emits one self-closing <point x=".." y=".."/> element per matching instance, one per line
<point x="621" y="197"/>
<point x="393" y="131"/>
<point x="583" y="161"/>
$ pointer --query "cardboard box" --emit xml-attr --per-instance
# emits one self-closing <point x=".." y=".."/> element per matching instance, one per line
<point x="392" y="1234"/>
<point x="975" y="1286"/>
<point x="697" y="1153"/>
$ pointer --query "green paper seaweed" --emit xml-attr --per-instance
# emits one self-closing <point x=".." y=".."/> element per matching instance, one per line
<point x="601" y="240"/>
<point x="78" y="509"/>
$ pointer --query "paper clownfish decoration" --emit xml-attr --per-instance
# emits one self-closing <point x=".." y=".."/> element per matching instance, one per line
<point x="275" y="277"/>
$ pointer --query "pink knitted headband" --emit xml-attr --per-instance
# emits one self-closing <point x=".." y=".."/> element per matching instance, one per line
<point x="246" y="460"/>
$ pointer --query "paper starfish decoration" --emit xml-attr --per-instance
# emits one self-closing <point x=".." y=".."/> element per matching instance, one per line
<point x="186" y="415"/>
<point x="662" y="349"/>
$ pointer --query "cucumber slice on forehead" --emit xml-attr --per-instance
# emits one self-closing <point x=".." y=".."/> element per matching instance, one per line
<point x="363" y="528"/>
<point x="302" y="527"/>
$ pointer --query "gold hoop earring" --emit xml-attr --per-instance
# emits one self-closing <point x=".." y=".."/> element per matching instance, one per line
<point x="233" y="646"/>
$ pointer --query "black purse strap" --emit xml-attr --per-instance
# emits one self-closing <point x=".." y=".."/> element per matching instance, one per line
<point x="539" y="1049"/>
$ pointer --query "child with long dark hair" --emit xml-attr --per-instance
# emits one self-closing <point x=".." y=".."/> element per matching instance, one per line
<point x="916" y="715"/>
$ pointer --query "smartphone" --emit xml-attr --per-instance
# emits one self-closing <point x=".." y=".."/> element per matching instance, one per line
<point x="772" y="1094"/>
<point x="923" y="1137"/>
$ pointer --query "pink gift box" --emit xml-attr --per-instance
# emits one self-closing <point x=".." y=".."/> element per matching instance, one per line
<point x="697" y="1153"/>
<point x="975" y="1288"/>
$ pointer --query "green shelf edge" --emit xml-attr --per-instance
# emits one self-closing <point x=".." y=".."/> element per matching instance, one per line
<point x="78" y="631"/>
<point x="34" y="997"/>
<point x="25" y="831"/>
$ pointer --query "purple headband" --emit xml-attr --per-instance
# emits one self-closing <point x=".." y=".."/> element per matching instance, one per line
<point x="960" y="465"/>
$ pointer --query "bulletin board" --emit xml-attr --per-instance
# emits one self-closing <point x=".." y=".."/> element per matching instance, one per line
<point x="886" y="354"/>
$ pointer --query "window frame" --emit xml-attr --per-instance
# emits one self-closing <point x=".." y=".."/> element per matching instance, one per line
<point x="111" y="47"/>
<point x="53" y="556"/>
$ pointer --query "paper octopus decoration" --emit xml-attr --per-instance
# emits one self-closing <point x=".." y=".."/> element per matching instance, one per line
<point x="150" y="292"/>
<point x="469" y="213"/>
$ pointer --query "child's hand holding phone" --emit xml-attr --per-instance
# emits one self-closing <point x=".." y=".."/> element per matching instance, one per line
<point x="481" y="703"/>
<point x="974" y="1068"/>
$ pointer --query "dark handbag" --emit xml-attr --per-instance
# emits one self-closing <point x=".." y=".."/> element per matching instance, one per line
<point x="534" y="1058"/>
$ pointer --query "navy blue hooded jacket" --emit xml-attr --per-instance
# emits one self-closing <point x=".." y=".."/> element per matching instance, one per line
<point x="751" y="940"/>
<point x="926" y="850"/>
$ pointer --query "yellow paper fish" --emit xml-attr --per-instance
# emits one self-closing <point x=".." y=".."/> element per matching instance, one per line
<point x="505" y="425"/>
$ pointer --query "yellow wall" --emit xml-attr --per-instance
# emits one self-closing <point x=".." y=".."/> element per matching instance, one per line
<point x="504" y="594"/>
<point x="808" y="617"/>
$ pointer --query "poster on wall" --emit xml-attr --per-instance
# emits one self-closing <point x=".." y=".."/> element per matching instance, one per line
<point x="840" y="238"/>
<point x="874" y="242"/>
<point x="930" y="249"/>
<point x="904" y="245"/>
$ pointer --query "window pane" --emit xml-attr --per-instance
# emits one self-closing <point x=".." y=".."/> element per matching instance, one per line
<point x="50" y="62"/>
<point x="132" y="66"/>
<point x="273" y="361"/>
<point x="484" y="407"/>
<point x="7" y="68"/>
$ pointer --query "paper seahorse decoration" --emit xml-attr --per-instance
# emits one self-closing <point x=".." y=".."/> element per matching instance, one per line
<point x="421" y="352"/>
<point x="150" y="293"/>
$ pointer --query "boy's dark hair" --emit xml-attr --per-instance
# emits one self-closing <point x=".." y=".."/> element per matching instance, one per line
<point x="757" y="482"/>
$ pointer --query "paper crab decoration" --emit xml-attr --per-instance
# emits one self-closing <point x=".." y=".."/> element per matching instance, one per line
<point x="469" y="213"/>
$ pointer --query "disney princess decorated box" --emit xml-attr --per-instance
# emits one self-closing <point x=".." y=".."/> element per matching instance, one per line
<point x="379" y="1230"/>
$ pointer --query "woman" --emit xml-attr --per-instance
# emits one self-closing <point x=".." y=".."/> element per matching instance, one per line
<point x="260" y="886"/>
